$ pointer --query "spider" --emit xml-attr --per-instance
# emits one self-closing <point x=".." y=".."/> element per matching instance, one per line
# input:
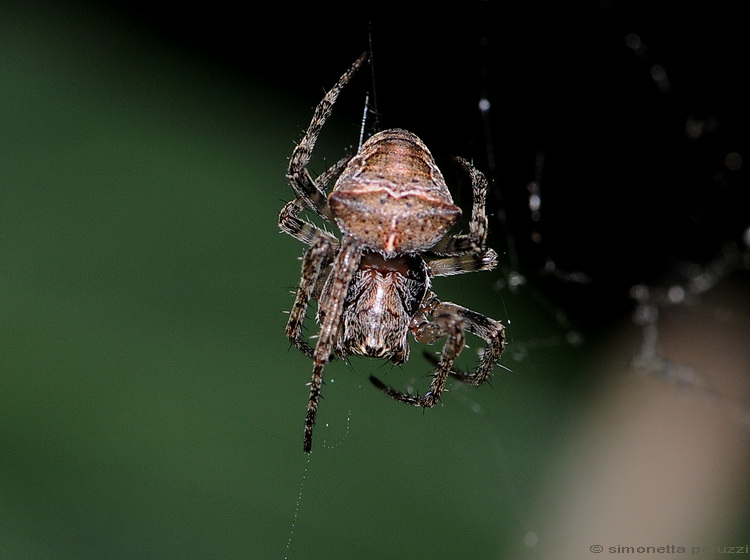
<point x="393" y="208"/>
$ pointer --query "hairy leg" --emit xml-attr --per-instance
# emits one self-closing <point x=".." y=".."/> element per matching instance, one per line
<point x="491" y="331"/>
<point x="331" y="308"/>
<point x="461" y="264"/>
<point x="314" y="264"/>
<point x="444" y="324"/>
<point x="474" y="241"/>
<point x="306" y="188"/>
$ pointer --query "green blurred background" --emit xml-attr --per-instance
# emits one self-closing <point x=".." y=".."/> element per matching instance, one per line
<point x="150" y="406"/>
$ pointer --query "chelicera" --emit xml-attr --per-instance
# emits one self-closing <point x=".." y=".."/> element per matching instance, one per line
<point x="395" y="212"/>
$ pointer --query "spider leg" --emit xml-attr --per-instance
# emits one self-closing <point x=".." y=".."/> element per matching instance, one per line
<point x="491" y="331"/>
<point x="292" y="224"/>
<point x="461" y="264"/>
<point x="450" y="320"/>
<point x="304" y="185"/>
<point x="314" y="266"/>
<point x="344" y="267"/>
<point x="474" y="241"/>
<point x="315" y="262"/>
<point x="445" y="324"/>
<point x="307" y="232"/>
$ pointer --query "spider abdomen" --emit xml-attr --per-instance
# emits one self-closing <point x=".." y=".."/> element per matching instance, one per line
<point x="392" y="196"/>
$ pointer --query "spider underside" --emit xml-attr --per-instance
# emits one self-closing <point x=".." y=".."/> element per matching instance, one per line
<point x="393" y="208"/>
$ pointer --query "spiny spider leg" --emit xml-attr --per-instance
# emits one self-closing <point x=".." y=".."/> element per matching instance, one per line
<point x="491" y="331"/>
<point x="314" y="264"/>
<point x="461" y="264"/>
<point x="345" y="265"/>
<point x="474" y="241"/>
<point x="449" y="320"/>
<point x="308" y="233"/>
<point x="304" y="185"/>
<point x="323" y="246"/>
<point x="320" y="255"/>
<point x="304" y="231"/>
<point x="444" y="324"/>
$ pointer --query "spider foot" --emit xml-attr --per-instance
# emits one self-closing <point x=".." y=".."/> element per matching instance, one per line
<point x="425" y="401"/>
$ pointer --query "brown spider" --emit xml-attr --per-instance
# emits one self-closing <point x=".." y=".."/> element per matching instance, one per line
<point x="392" y="205"/>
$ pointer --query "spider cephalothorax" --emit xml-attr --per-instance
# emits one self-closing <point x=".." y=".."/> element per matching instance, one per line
<point x="393" y="208"/>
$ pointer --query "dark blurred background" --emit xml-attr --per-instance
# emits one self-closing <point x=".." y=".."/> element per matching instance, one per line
<point x="150" y="404"/>
<point x="635" y="107"/>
